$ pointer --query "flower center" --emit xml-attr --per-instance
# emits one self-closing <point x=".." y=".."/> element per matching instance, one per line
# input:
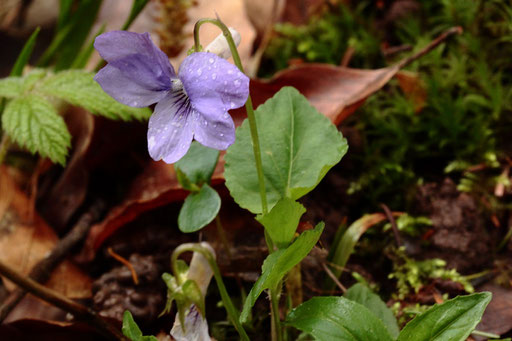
<point x="177" y="85"/>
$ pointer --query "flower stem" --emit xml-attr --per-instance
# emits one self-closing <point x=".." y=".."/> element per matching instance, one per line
<point x="248" y="105"/>
<point x="277" y="332"/>
<point x="233" y="313"/>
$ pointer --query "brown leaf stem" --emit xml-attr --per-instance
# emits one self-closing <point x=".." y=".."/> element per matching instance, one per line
<point x="392" y="221"/>
<point x="42" y="271"/>
<point x="433" y="44"/>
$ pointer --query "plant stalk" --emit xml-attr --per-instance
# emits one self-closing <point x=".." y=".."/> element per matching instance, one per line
<point x="248" y="105"/>
<point x="233" y="313"/>
<point x="277" y="331"/>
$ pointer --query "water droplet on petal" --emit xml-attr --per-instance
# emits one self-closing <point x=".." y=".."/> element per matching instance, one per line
<point x="214" y="76"/>
<point x="210" y="60"/>
<point x="237" y="82"/>
<point x="221" y="135"/>
<point x="199" y="72"/>
<point x="232" y="105"/>
<point x="230" y="72"/>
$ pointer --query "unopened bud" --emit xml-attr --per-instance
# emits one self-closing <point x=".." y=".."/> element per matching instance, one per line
<point x="220" y="45"/>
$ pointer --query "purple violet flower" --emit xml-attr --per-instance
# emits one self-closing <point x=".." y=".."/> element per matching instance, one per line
<point x="192" y="104"/>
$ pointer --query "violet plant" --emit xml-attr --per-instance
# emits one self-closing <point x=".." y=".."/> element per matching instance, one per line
<point x="271" y="162"/>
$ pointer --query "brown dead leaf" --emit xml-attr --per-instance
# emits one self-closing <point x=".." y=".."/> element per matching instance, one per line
<point x="413" y="88"/>
<point x="25" y="242"/>
<point x="69" y="191"/>
<point x="497" y="318"/>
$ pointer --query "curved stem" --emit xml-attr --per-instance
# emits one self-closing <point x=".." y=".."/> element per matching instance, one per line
<point x="248" y="105"/>
<point x="233" y="313"/>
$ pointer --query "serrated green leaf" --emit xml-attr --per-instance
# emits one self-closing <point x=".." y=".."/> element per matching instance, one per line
<point x="198" y="164"/>
<point x="11" y="87"/>
<point x="361" y="294"/>
<point x="132" y="331"/>
<point x="298" y="146"/>
<point x="278" y="264"/>
<point x="79" y="88"/>
<point x="337" y="318"/>
<point x="452" y="320"/>
<point x="282" y="221"/>
<point x="199" y="209"/>
<point x="32" y="122"/>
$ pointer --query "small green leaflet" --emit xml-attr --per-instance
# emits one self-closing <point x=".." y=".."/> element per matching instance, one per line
<point x="199" y="209"/>
<point x="198" y="164"/>
<point x="32" y="122"/>
<point x="79" y="88"/>
<point x="277" y="265"/>
<point x="282" y="221"/>
<point x="132" y="331"/>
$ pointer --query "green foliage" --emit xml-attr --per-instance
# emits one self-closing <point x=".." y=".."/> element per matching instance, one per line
<point x="324" y="39"/>
<point x="468" y="84"/>
<point x="197" y="166"/>
<point x="413" y="226"/>
<point x="361" y="294"/>
<point x="194" y="172"/>
<point x="452" y="320"/>
<point x="345" y="245"/>
<point x="185" y="292"/>
<point x="79" y="88"/>
<point x="24" y="56"/>
<point x="31" y="118"/>
<point x="411" y="274"/>
<point x="278" y="264"/>
<point x="132" y="331"/>
<point x="282" y="221"/>
<point x="33" y="122"/>
<point x="74" y="25"/>
<point x="291" y="134"/>
<point x="11" y="87"/>
<point x="337" y="318"/>
<point x="199" y="209"/>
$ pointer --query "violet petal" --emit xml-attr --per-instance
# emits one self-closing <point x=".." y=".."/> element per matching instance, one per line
<point x="138" y="73"/>
<point x="116" y="45"/>
<point x="215" y="130"/>
<point x="118" y="85"/>
<point x="170" y="131"/>
<point x="207" y="77"/>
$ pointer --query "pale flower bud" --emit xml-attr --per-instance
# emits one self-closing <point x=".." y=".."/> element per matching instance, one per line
<point x="220" y="46"/>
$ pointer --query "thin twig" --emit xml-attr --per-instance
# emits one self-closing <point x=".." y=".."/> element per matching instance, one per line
<point x="126" y="263"/>
<point x="433" y="44"/>
<point x="333" y="277"/>
<point x="42" y="271"/>
<point x="392" y="221"/>
<point x="60" y="301"/>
